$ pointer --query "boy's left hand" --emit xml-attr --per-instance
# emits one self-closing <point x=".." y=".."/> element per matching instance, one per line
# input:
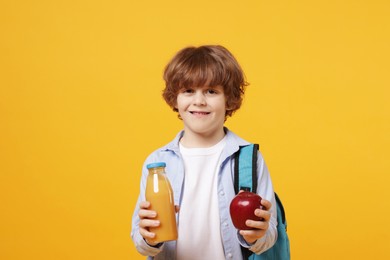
<point x="260" y="227"/>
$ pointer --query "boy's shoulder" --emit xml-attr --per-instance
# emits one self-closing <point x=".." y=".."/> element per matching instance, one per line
<point x="167" y="150"/>
<point x="234" y="139"/>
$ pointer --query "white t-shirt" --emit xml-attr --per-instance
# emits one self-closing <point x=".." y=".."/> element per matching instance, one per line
<point x="199" y="225"/>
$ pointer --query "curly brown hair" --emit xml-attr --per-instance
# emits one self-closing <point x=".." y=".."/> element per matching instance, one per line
<point x="205" y="66"/>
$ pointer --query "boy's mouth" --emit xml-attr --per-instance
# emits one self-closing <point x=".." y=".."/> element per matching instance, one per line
<point x="199" y="113"/>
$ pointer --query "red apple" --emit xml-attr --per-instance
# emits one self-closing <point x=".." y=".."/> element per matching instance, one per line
<point x="243" y="207"/>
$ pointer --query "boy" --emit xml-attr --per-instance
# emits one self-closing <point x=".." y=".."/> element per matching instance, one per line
<point x="205" y="85"/>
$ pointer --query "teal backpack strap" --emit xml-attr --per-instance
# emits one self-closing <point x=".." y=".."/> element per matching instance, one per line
<point x="245" y="178"/>
<point x="245" y="165"/>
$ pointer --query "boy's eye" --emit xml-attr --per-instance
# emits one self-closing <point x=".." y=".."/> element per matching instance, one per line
<point x="212" y="91"/>
<point x="188" y="90"/>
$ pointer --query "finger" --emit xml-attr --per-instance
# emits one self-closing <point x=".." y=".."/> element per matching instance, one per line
<point x="252" y="235"/>
<point x="148" y="223"/>
<point x="263" y="225"/>
<point x="144" y="204"/>
<point x="144" y="211"/>
<point x="145" y="214"/>
<point x="263" y="214"/>
<point x="146" y="234"/>
<point x="266" y="204"/>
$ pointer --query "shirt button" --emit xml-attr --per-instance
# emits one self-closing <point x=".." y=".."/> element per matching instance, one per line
<point x="225" y="224"/>
<point x="222" y="193"/>
<point x="229" y="255"/>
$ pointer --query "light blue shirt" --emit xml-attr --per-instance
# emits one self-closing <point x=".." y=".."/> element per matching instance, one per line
<point x="231" y="240"/>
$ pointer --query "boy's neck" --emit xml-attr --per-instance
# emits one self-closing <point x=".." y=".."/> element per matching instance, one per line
<point x="191" y="140"/>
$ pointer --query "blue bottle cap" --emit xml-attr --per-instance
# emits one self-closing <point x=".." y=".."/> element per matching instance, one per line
<point x="155" y="165"/>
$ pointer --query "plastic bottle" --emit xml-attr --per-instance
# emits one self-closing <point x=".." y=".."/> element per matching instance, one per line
<point x="160" y="195"/>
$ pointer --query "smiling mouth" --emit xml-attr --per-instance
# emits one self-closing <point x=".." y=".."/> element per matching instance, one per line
<point x="199" y="113"/>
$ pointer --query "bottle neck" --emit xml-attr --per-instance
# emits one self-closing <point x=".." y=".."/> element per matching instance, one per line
<point x="157" y="170"/>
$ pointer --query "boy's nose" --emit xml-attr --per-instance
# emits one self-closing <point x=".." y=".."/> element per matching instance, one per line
<point x="199" y="99"/>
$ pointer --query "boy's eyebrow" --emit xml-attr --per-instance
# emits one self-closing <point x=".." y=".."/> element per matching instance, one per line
<point x="205" y="87"/>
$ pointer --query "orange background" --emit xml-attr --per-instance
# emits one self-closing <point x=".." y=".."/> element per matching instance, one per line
<point x="81" y="108"/>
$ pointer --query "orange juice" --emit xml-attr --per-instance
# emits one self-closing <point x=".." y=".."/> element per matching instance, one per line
<point x="160" y="195"/>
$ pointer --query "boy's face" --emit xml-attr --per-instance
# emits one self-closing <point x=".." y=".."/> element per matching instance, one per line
<point x="202" y="110"/>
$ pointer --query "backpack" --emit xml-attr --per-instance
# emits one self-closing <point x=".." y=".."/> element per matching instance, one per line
<point x="245" y="178"/>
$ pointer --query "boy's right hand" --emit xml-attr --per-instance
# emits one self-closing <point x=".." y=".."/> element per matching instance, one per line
<point x="147" y="221"/>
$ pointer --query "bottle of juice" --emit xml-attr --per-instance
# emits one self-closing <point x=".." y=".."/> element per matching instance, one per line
<point x="160" y="195"/>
